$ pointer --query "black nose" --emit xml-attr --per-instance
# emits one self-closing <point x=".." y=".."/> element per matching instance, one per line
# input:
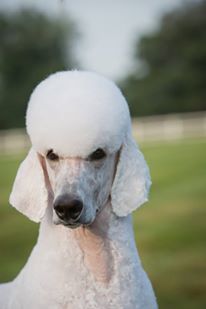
<point x="68" y="208"/>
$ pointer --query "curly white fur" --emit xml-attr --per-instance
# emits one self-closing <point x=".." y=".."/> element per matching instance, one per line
<point x="73" y="112"/>
<point x="90" y="267"/>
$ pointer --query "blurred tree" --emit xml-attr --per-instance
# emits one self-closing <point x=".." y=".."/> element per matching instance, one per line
<point x="172" y="74"/>
<point x="32" y="46"/>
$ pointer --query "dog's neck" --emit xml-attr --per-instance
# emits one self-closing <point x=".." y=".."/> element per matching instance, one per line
<point x="94" y="243"/>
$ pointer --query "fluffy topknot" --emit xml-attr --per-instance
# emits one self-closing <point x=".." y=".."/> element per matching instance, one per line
<point x="76" y="112"/>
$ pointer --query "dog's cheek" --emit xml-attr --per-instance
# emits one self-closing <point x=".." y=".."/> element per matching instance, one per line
<point x="105" y="184"/>
<point x="51" y="176"/>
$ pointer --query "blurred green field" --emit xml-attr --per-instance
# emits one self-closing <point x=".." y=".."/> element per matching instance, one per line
<point x="170" y="230"/>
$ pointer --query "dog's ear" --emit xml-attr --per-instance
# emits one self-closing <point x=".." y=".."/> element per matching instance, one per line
<point x="132" y="179"/>
<point x="29" y="193"/>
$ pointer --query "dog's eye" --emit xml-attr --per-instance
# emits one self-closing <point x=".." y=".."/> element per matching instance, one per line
<point x="97" y="155"/>
<point x="52" y="156"/>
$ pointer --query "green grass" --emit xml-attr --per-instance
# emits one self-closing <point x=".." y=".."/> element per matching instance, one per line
<point x="170" y="230"/>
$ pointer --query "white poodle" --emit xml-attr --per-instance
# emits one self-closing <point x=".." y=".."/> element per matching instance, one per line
<point x="82" y="179"/>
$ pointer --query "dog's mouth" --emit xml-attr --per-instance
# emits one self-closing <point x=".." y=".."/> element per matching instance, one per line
<point x="74" y="225"/>
<point x="71" y="225"/>
<point x="67" y="224"/>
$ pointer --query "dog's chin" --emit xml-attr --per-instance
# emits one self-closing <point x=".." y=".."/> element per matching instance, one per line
<point x="72" y="225"/>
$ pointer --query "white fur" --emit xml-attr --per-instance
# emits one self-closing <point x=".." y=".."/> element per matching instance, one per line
<point x="75" y="113"/>
<point x="132" y="181"/>
<point x="29" y="193"/>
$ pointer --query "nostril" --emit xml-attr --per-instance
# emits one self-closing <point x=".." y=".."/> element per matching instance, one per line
<point x="75" y="209"/>
<point x="60" y="211"/>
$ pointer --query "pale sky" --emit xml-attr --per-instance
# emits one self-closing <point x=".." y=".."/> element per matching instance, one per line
<point x="109" y="28"/>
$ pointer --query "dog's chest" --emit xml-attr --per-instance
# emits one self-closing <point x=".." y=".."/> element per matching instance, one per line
<point x="61" y="279"/>
<point x="69" y="286"/>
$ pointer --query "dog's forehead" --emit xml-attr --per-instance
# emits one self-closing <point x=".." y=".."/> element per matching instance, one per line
<point x="76" y="112"/>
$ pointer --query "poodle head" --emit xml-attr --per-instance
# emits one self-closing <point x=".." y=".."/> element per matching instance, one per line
<point x="83" y="152"/>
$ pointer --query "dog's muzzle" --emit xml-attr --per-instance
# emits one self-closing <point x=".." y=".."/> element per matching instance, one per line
<point x="68" y="209"/>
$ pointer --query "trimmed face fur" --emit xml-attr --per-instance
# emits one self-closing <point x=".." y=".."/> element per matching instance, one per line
<point x="80" y="187"/>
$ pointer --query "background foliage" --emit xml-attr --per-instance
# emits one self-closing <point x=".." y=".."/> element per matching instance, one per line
<point x="172" y="75"/>
<point x="32" y="46"/>
<point x="169" y="64"/>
